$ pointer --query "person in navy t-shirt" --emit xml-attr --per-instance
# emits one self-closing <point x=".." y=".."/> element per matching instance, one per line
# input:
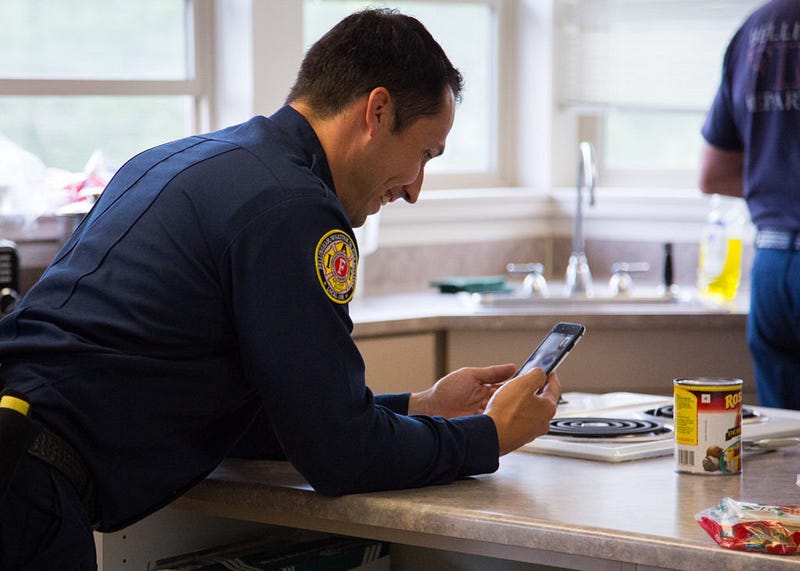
<point x="753" y="150"/>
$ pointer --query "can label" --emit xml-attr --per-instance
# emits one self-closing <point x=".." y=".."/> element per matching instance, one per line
<point x="708" y="426"/>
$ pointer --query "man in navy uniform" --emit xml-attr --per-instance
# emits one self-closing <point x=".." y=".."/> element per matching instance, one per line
<point x="752" y="150"/>
<point x="200" y="311"/>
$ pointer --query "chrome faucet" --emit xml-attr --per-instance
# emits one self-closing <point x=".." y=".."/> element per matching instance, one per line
<point x="534" y="284"/>
<point x="579" y="277"/>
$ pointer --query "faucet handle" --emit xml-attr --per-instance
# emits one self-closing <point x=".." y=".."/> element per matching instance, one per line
<point x="526" y="268"/>
<point x="534" y="283"/>
<point x="621" y="282"/>
<point x="630" y="267"/>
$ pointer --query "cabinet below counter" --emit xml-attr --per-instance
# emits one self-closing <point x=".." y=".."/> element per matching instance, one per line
<point x="408" y="341"/>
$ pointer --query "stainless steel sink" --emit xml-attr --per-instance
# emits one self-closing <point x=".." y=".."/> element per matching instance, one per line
<point x="517" y="299"/>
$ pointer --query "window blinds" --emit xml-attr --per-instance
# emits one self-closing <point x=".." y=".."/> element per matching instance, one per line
<point x="643" y="54"/>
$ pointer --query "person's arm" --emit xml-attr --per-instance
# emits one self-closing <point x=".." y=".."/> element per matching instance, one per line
<point x="520" y="412"/>
<point x="297" y="350"/>
<point x="396" y="402"/>
<point x="461" y="393"/>
<point x="721" y="171"/>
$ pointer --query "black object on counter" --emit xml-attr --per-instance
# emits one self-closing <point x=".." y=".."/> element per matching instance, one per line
<point x="667" y="266"/>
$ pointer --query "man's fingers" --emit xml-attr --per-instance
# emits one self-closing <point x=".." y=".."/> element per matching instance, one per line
<point x="495" y="374"/>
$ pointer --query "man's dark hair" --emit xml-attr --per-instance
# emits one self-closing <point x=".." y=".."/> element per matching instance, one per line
<point x="377" y="48"/>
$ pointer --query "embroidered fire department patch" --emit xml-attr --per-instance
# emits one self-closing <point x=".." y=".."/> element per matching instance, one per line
<point x="336" y="259"/>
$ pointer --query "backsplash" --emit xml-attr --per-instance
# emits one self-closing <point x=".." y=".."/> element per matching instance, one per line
<point x="411" y="268"/>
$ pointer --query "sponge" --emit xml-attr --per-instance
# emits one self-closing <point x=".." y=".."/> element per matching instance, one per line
<point x="477" y="284"/>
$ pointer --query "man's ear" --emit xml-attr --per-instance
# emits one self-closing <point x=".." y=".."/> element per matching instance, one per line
<point x="380" y="110"/>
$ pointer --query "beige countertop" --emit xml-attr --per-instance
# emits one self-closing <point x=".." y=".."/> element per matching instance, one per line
<point x="542" y="509"/>
<point x="405" y="313"/>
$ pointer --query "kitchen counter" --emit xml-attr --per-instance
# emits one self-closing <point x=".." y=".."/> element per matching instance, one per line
<point x="405" y="313"/>
<point x="536" y="509"/>
<point x="541" y="509"/>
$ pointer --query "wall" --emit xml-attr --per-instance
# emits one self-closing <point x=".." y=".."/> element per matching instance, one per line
<point x="411" y="268"/>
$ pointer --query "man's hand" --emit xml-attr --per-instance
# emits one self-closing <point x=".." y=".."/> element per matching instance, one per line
<point x="519" y="414"/>
<point x="463" y="392"/>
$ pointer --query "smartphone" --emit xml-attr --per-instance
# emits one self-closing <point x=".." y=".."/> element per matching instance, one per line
<point x="553" y="348"/>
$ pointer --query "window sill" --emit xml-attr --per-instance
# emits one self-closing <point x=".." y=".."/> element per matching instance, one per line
<point x="476" y="215"/>
<point x="43" y="229"/>
<point x="493" y="214"/>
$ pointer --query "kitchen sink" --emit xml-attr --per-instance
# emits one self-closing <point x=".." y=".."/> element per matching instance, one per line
<point x="644" y="296"/>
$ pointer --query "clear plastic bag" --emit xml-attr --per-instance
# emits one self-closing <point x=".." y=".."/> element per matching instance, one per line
<point x="747" y="526"/>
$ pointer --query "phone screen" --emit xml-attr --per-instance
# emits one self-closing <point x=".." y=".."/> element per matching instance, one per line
<point x="553" y="348"/>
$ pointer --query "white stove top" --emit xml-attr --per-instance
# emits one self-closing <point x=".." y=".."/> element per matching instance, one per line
<point x="766" y="423"/>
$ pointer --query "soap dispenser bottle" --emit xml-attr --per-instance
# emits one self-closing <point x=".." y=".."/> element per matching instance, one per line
<point x="720" y="259"/>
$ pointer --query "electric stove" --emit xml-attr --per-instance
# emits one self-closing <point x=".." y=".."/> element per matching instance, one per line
<point x="622" y="426"/>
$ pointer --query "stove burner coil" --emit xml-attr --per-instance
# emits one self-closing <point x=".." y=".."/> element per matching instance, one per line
<point x="589" y="427"/>
<point x="668" y="412"/>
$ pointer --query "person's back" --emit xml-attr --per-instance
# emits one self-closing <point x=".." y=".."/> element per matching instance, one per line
<point x="762" y="85"/>
<point x="136" y="307"/>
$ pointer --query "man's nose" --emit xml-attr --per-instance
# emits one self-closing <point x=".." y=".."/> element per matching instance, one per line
<point x="411" y="191"/>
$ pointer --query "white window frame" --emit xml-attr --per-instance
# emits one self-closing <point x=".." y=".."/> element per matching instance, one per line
<point x="256" y="59"/>
<point x="503" y="91"/>
<point x="249" y="52"/>
<point x="590" y="109"/>
<point x="198" y="85"/>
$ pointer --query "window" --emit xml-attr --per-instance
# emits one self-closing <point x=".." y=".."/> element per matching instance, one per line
<point x="640" y="76"/>
<point x="113" y="75"/>
<point x="468" y="32"/>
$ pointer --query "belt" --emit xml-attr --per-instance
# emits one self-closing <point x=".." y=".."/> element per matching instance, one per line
<point x="58" y="453"/>
<point x="778" y="239"/>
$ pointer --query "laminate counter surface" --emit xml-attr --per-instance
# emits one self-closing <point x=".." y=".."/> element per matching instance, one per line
<point x="542" y="509"/>
<point x="404" y="313"/>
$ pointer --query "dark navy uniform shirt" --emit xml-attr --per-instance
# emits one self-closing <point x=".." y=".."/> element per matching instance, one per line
<point x="190" y="308"/>
<point x="757" y="110"/>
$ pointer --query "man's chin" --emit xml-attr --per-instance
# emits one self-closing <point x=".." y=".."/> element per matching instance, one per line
<point x="358" y="221"/>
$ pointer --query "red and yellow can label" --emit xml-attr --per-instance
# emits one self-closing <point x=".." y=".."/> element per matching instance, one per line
<point x="336" y="259"/>
<point x="708" y="425"/>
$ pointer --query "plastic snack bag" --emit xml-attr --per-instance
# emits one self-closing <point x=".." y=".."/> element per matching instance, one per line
<point x="753" y="527"/>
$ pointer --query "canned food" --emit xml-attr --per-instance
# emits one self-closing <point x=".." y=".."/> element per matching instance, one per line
<point x="708" y="425"/>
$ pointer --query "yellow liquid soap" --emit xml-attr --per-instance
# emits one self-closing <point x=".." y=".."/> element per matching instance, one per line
<point x="723" y="287"/>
